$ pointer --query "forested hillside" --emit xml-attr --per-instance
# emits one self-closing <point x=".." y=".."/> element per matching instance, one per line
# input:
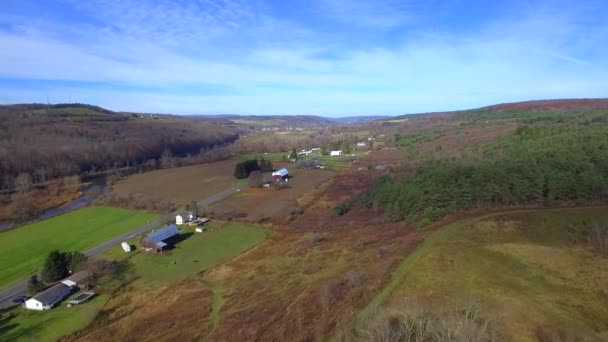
<point x="551" y="157"/>
<point x="47" y="142"/>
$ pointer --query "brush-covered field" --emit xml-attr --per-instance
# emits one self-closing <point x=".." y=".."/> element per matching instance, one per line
<point x="531" y="274"/>
<point x="22" y="250"/>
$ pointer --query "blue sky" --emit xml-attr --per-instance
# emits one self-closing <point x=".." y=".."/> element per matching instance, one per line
<point x="324" y="57"/>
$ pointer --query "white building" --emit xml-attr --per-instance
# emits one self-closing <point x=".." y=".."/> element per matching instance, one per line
<point x="125" y="247"/>
<point x="361" y="144"/>
<point x="335" y="153"/>
<point x="304" y="153"/>
<point x="48" y="298"/>
<point x="184" y="217"/>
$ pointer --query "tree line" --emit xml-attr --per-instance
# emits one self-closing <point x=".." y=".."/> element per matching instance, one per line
<point x="50" y="142"/>
<point x="533" y="166"/>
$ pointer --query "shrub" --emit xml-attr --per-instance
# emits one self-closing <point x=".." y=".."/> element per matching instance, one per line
<point x="411" y="321"/>
<point x="381" y="252"/>
<point x="342" y="208"/>
<point x="361" y="242"/>
<point x="315" y="238"/>
<point x="597" y="238"/>
<point x="356" y="279"/>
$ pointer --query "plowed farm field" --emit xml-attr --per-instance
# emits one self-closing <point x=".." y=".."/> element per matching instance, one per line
<point x="183" y="184"/>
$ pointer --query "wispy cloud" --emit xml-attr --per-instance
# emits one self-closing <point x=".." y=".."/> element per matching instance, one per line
<point x="230" y="56"/>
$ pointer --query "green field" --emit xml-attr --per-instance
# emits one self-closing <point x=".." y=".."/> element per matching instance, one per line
<point x="24" y="325"/>
<point x="22" y="250"/>
<point x="196" y="253"/>
<point x="530" y="269"/>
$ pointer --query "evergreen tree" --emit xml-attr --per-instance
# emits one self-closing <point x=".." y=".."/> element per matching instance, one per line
<point x="55" y="267"/>
<point x="34" y="285"/>
<point x="293" y="154"/>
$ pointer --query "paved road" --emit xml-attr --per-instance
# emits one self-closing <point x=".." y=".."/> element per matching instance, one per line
<point x="20" y="289"/>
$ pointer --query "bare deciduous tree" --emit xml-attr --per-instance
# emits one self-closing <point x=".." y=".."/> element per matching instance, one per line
<point x="23" y="182"/>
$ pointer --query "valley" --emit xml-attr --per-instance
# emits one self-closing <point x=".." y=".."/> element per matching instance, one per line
<point x="483" y="225"/>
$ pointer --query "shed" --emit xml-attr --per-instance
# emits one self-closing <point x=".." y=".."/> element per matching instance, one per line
<point x="48" y="298"/>
<point x="156" y="240"/>
<point x="335" y="153"/>
<point x="280" y="175"/>
<point x="125" y="246"/>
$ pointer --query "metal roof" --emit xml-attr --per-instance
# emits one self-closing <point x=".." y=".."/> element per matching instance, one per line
<point x="281" y="172"/>
<point x="53" y="294"/>
<point x="163" y="234"/>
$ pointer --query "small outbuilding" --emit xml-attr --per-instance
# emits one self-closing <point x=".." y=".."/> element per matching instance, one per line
<point x="280" y="175"/>
<point x="336" y="153"/>
<point x="125" y="247"/>
<point x="48" y="298"/>
<point x="157" y="240"/>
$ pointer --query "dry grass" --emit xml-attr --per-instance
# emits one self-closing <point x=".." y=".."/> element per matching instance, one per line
<point x="182" y="185"/>
<point x="254" y="204"/>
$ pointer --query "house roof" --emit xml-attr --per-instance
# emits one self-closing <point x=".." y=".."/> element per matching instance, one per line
<point x="281" y="172"/>
<point x="75" y="278"/>
<point x="163" y="234"/>
<point x="50" y="295"/>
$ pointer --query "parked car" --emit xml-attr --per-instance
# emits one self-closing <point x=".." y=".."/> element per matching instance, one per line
<point x="19" y="300"/>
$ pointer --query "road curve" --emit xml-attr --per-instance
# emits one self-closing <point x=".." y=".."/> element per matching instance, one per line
<point x="20" y="288"/>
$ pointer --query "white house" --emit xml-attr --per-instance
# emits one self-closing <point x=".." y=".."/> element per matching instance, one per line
<point x="335" y="153"/>
<point x="184" y="217"/>
<point x="361" y="144"/>
<point x="48" y="298"/>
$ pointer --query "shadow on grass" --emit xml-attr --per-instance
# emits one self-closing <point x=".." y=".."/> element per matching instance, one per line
<point x="174" y="241"/>
<point x="7" y="326"/>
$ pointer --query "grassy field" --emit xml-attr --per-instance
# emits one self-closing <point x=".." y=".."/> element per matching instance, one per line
<point x="527" y="268"/>
<point x="172" y="276"/>
<point x="195" y="253"/>
<point x="182" y="184"/>
<point x="146" y="272"/>
<point x="23" y="250"/>
<point x="20" y="324"/>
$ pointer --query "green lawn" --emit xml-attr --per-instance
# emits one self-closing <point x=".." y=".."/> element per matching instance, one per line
<point x="22" y="250"/>
<point x="20" y="324"/>
<point x="525" y="267"/>
<point x="198" y="252"/>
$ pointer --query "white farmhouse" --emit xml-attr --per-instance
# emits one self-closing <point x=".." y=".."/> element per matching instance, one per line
<point x="336" y="153"/>
<point x="184" y="217"/>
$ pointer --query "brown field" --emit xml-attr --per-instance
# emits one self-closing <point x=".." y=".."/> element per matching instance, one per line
<point x="183" y="184"/>
<point x="298" y="285"/>
<point x="275" y="205"/>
